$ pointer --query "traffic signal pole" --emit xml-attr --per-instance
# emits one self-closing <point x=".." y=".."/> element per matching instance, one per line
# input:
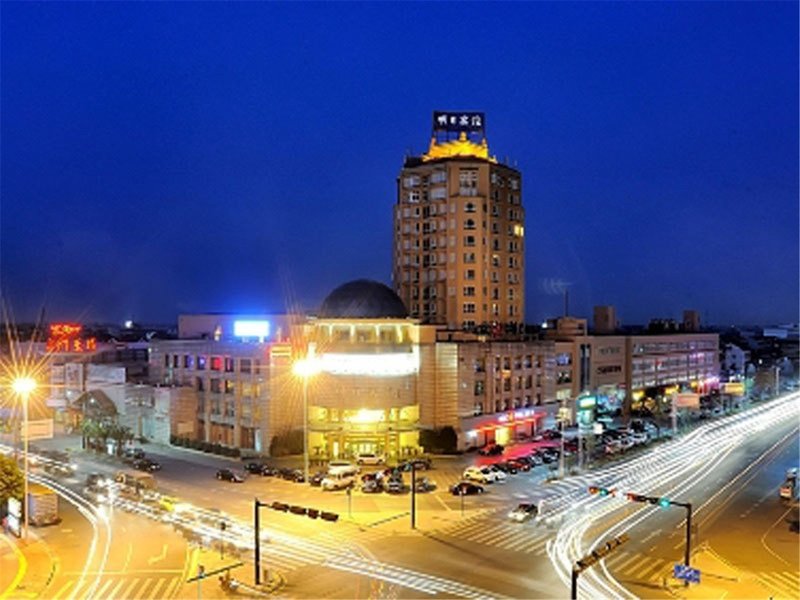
<point x="257" y="527"/>
<point x="574" y="594"/>
<point x="413" y="495"/>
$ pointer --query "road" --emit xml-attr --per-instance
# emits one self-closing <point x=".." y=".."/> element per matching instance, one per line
<point x="482" y="553"/>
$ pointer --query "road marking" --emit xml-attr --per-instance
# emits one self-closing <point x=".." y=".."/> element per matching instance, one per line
<point x="63" y="589"/>
<point x="128" y="588"/>
<point x="764" y="541"/>
<point x="128" y="557"/>
<point x="100" y="592"/>
<point x="443" y="503"/>
<point x="113" y="593"/>
<point x="156" y="589"/>
<point x="21" y="570"/>
<point x="155" y="559"/>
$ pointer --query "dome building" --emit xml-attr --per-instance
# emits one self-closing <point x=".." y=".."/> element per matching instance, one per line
<point x="366" y="356"/>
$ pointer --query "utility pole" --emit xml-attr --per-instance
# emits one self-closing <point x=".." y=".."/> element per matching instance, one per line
<point x="413" y="495"/>
<point x="257" y="523"/>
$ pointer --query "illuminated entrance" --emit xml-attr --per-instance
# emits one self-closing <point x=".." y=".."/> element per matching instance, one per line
<point x="345" y="433"/>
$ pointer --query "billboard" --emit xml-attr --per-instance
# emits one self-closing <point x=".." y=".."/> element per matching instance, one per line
<point x="251" y="329"/>
<point x="735" y="388"/>
<point x="458" y="121"/>
<point x="686" y="400"/>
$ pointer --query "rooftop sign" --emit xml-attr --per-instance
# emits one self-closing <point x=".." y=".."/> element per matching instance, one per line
<point x="458" y="121"/>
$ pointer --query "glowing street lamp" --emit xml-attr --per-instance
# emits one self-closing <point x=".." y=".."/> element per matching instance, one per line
<point x="306" y="368"/>
<point x="23" y="386"/>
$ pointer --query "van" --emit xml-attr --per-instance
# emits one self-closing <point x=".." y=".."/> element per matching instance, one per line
<point x="338" y="481"/>
<point x="336" y="467"/>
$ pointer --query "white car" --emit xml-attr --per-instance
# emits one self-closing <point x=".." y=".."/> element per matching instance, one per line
<point x="523" y="512"/>
<point x="479" y="474"/>
<point x="338" y="481"/>
<point x="369" y="458"/>
<point x="336" y="467"/>
<point x="499" y="474"/>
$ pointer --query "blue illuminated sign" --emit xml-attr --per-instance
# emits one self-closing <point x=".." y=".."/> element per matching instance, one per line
<point x="251" y="329"/>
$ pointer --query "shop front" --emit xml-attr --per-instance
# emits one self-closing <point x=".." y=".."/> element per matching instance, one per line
<point x="501" y="428"/>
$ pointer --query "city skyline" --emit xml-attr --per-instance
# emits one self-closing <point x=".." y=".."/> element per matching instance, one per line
<point x="175" y="159"/>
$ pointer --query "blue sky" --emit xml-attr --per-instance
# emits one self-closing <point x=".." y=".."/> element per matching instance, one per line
<point x="160" y="158"/>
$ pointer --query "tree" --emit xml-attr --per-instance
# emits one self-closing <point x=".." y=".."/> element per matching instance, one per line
<point x="120" y="434"/>
<point x="12" y="481"/>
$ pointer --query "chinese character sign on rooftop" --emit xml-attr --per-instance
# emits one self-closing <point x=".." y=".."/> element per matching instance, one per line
<point x="66" y="337"/>
<point x="458" y="121"/>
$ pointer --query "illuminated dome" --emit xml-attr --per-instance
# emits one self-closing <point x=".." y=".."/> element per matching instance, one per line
<point x="363" y="299"/>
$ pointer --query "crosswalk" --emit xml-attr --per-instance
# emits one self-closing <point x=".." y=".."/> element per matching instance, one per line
<point x="122" y="587"/>
<point x="781" y="584"/>
<point x="525" y="538"/>
<point x="637" y="567"/>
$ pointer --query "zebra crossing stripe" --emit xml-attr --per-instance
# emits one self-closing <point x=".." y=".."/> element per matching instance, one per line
<point x="100" y="592"/>
<point x="792" y="578"/>
<point x="154" y="592"/>
<point x="145" y="585"/>
<point x="652" y="569"/>
<point x="777" y="584"/>
<point x="63" y="589"/>
<point x="173" y="588"/>
<point x="129" y="588"/>
<point x="520" y="541"/>
<point x="619" y="567"/>
<point x="114" y="592"/>
<point x="537" y="546"/>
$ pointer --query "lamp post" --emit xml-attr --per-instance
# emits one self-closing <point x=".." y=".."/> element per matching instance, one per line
<point x="305" y="368"/>
<point x="23" y="386"/>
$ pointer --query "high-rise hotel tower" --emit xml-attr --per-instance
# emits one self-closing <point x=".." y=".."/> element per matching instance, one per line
<point x="459" y="230"/>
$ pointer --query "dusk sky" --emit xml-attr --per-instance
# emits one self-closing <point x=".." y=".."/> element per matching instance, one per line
<point x="163" y="158"/>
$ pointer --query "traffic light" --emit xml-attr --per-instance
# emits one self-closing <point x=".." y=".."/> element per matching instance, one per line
<point x="664" y="502"/>
<point x="593" y="489"/>
<point x="636" y="497"/>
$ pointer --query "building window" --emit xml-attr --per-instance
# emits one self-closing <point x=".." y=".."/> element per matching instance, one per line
<point x="469" y="240"/>
<point x="469" y="291"/>
<point x="438" y="177"/>
<point x="198" y="384"/>
<point x="244" y="365"/>
<point x="412" y="197"/>
<point x="469" y="224"/>
<point x="469" y="257"/>
<point x="188" y="361"/>
<point x="438" y="193"/>
<point x="166" y="361"/>
<point x="228" y="364"/>
<point x="468" y="182"/>
<point x="216" y="363"/>
<point x="229" y="386"/>
<point x="469" y="207"/>
<point x="216" y="386"/>
<point x="480" y="365"/>
<point x="411" y="181"/>
<point x="469" y="308"/>
<point x="479" y="388"/>
<point x="201" y="363"/>
<point x="470" y="274"/>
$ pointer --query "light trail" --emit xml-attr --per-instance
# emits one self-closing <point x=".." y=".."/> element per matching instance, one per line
<point x="668" y="470"/>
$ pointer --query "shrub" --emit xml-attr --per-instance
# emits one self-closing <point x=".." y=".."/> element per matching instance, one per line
<point x="290" y="442"/>
<point x="439" y="441"/>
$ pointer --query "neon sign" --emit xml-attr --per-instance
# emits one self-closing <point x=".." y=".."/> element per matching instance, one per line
<point x="66" y="337"/>
<point x="516" y="415"/>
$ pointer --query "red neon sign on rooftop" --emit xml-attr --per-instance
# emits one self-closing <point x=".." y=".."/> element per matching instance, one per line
<point x="65" y="337"/>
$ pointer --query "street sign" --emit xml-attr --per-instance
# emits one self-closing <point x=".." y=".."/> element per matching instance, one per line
<point x="686" y="573"/>
<point x="38" y="430"/>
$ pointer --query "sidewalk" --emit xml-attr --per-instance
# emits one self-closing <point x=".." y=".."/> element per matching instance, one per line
<point x="718" y="579"/>
<point x="26" y="566"/>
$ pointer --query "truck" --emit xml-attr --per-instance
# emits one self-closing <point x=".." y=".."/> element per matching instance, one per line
<point x="42" y="505"/>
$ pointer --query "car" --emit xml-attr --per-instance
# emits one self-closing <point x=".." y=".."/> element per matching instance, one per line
<point x="491" y="450"/>
<point x="316" y="479"/>
<point x="97" y="480"/>
<point x="520" y="464"/>
<point x="369" y="458"/>
<point x="536" y="458"/>
<point x="506" y="467"/>
<point x="550" y="435"/>
<point x="613" y="446"/>
<point x="523" y="512"/>
<point x="395" y="485"/>
<point x="372" y="486"/>
<point x="228" y="475"/>
<point x="254" y="468"/>
<point x="293" y="475"/>
<point x="550" y="455"/>
<point x="500" y="476"/>
<point x="338" y="481"/>
<point x="466" y="488"/>
<point x="424" y="485"/>
<point x="146" y="464"/>
<point x="342" y="466"/>
<point x="638" y="437"/>
<point x="134" y="452"/>
<point x="58" y="469"/>
<point x="479" y="474"/>
<point x="420" y="464"/>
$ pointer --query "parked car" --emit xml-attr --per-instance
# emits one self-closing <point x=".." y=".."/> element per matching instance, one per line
<point x="133" y="453"/>
<point x="395" y="485"/>
<point x="549" y="434"/>
<point x="228" y="475"/>
<point x="315" y="480"/>
<point x="520" y="464"/>
<point x="424" y="485"/>
<point x="479" y="474"/>
<point x="370" y="458"/>
<point x="523" y="512"/>
<point x="491" y="450"/>
<point x="466" y="488"/>
<point x="374" y="476"/>
<point x="549" y="455"/>
<point x="342" y="466"/>
<point x="294" y="475"/>
<point x="372" y="486"/>
<point x="500" y="476"/>
<point x="338" y="481"/>
<point x="536" y="458"/>
<point x="506" y="467"/>
<point x="420" y="464"/>
<point x="254" y="468"/>
<point x="269" y="471"/>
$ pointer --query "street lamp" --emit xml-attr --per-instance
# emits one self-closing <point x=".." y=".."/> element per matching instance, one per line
<point x="23" y="386"/>
<point x="305" y="368"/>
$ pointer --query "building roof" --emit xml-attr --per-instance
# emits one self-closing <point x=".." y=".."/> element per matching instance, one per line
<point x="363" y="299"/>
